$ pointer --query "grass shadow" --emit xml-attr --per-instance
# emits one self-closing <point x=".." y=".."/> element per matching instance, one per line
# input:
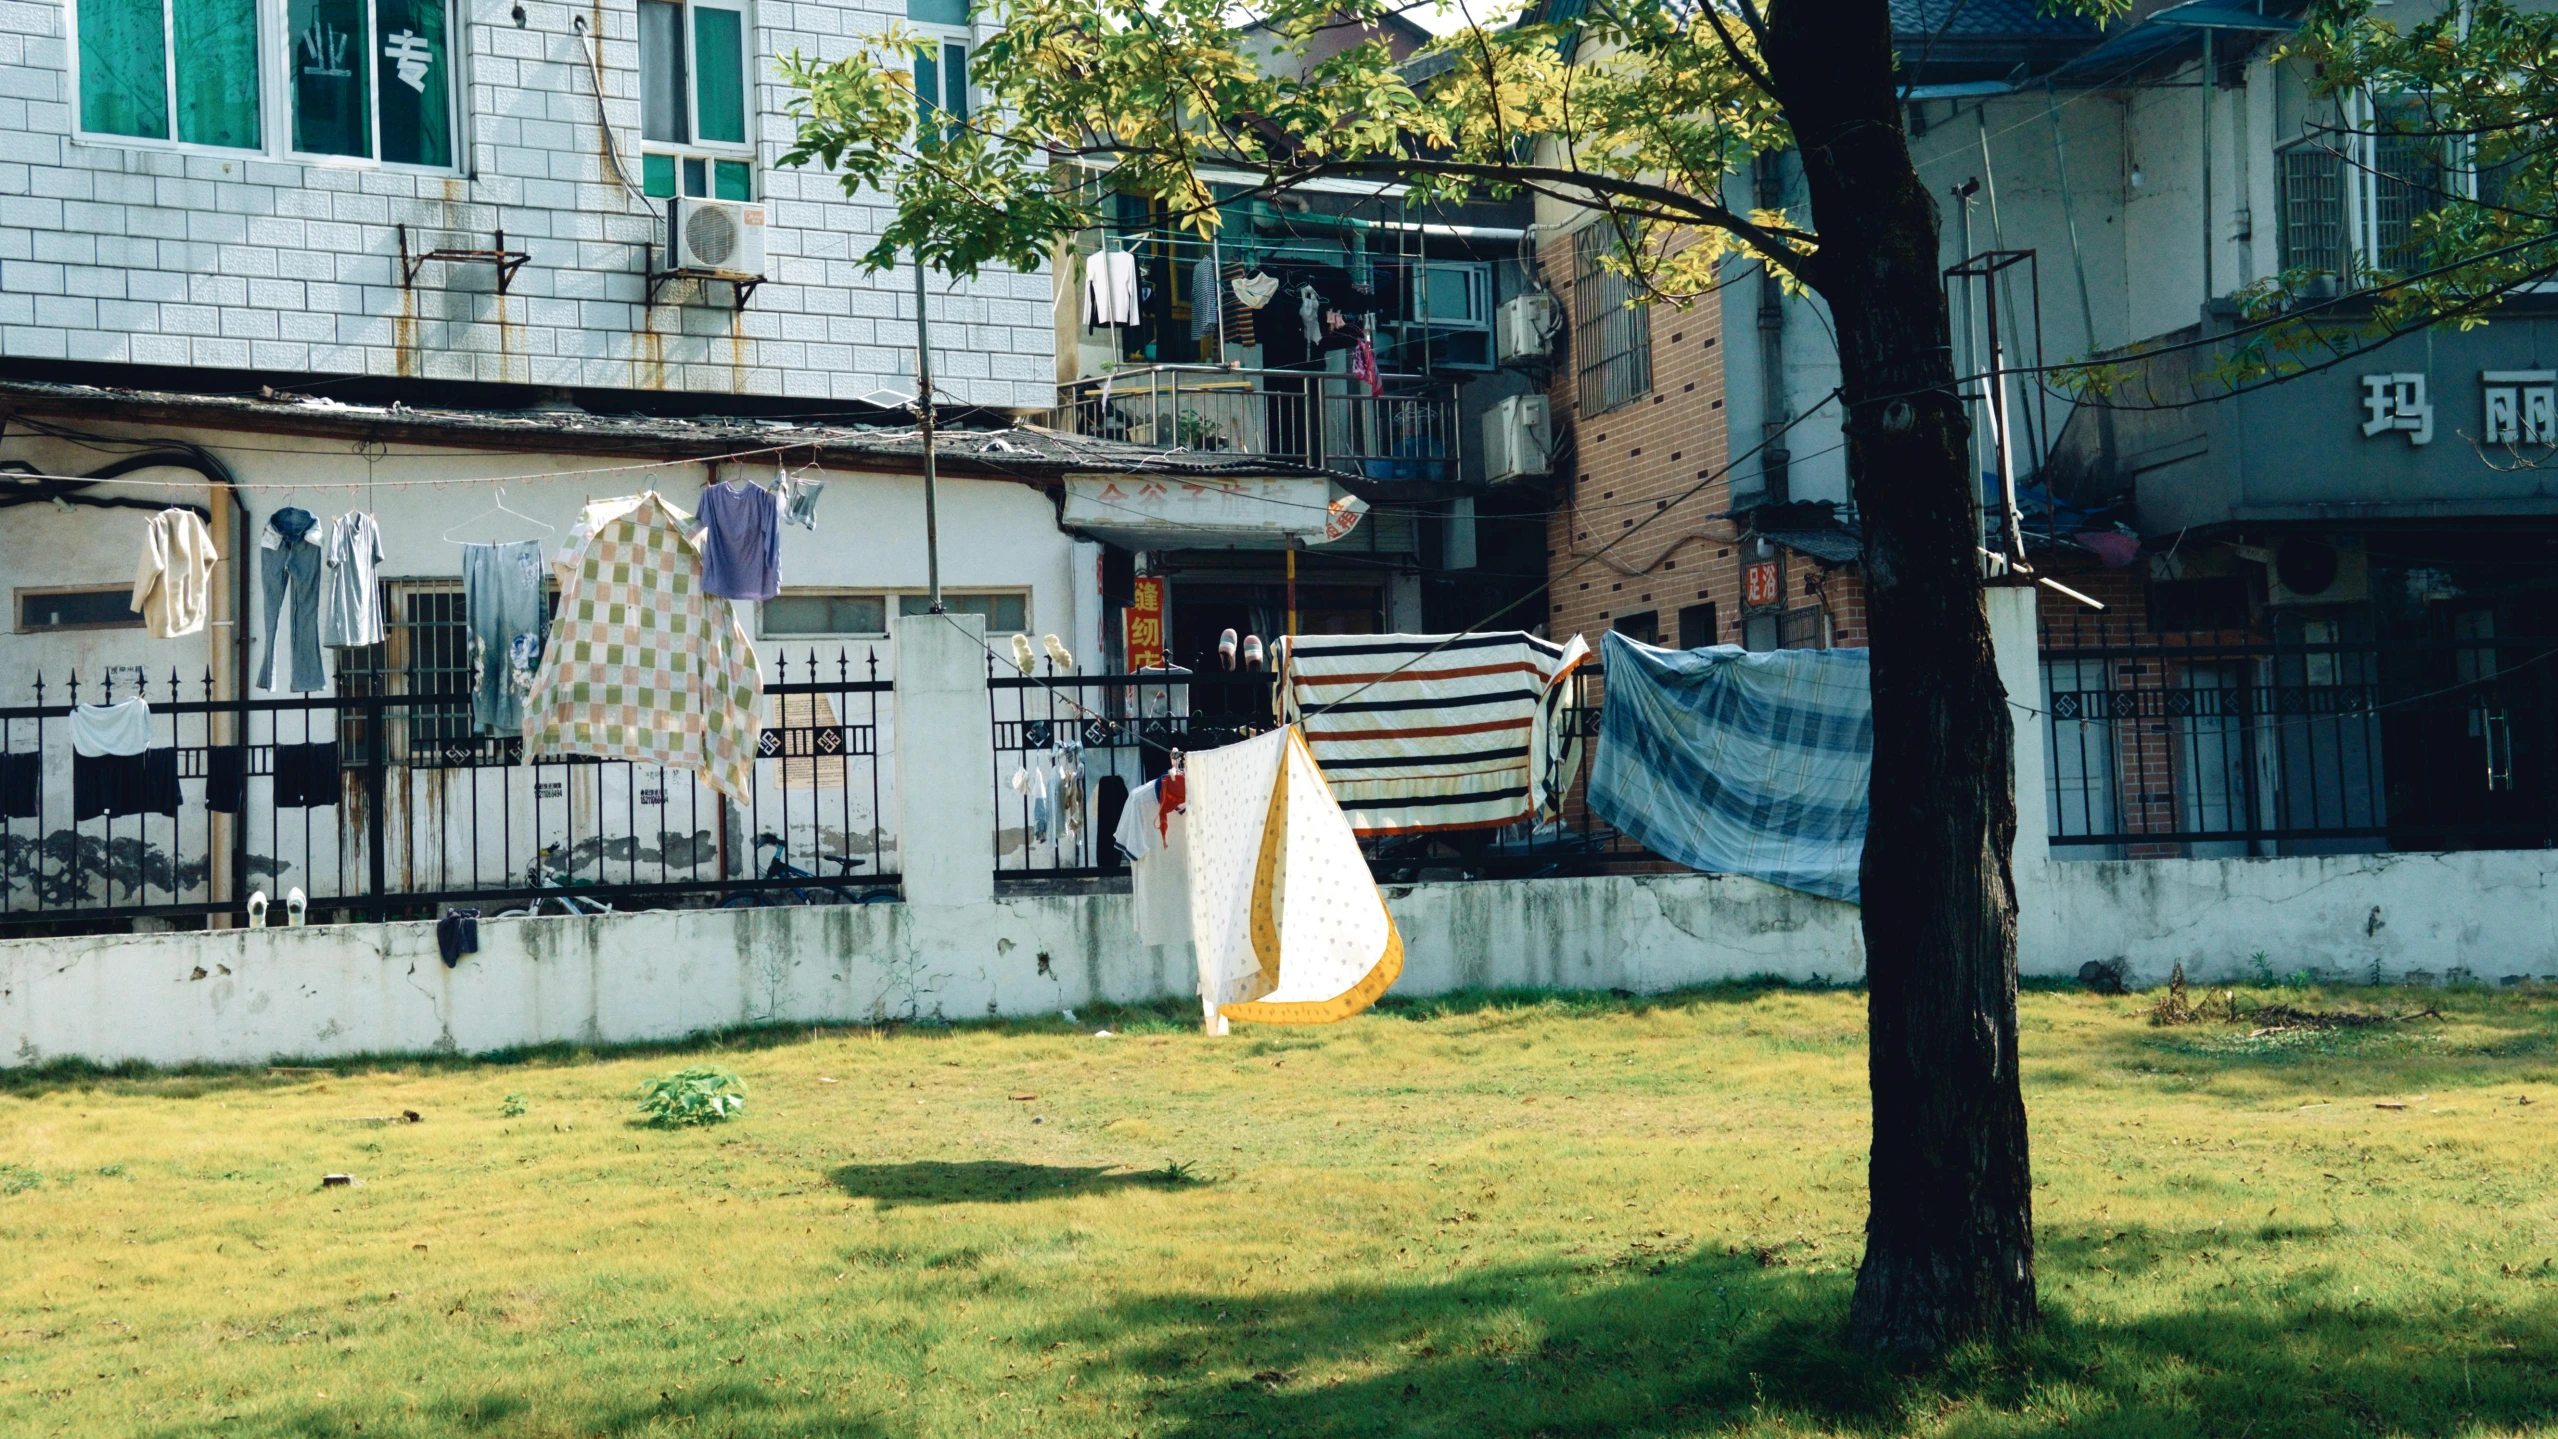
<point x="1715" y="1343"/>
<point x="997" y="1181"/>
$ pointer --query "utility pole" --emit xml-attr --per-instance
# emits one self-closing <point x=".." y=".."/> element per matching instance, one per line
<point x="924" y="414"/>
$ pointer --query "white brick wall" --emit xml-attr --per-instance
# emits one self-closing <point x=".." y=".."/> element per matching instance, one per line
<point x="140" y="254"/>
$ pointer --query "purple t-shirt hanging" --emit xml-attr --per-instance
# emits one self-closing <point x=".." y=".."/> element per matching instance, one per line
<point x="741" y="543"/>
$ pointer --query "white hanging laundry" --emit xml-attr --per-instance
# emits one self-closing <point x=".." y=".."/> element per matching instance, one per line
<point x="1158" y="848"/>
<point x="172" y="585"/>
<point x="123" y="728"/>
<point x="1110" y="289"/>
<point x="1290" y="927"/>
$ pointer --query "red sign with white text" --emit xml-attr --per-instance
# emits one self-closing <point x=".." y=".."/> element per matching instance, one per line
<point x="1761" y="584"/>
<point x="1146" y="624"/>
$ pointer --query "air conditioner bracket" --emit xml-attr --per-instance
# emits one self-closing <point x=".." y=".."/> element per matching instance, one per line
<point x="507" y="261"/>
<point x="743" y="285"/>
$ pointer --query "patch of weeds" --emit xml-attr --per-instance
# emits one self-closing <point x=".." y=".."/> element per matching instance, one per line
<point x="1177" y="1174"/>
<point x="513" y="1108"/>
<point x="19" y="1178"/>
<point x="695" y="1096"/>
<point x="110" y="1171"/>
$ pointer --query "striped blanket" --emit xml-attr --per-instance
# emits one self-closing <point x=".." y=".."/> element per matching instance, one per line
<point x="1739" y="763"/>
<point x="1433" y="732"/>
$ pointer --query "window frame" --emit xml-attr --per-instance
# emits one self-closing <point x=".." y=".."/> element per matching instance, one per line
<point x="945" y="38"/>
<point x="887" y="609"/>
<point x="19" y="596"/>
<point x="1029" y="615"/>
<point x="709" y="152"/>
<point x="275" y="100"/>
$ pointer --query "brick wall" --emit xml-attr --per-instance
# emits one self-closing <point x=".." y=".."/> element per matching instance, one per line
<point x="1636" y="461"/>
<point x="138" y="253"/>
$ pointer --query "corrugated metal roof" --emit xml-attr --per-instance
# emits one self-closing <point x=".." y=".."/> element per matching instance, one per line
<point x="1024" y="452"/>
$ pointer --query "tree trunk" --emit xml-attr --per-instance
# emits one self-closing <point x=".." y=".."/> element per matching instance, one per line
<point x="1949" y="1253"/>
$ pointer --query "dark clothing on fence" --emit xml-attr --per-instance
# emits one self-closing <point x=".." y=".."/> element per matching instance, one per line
<point x="226" y="778"/>
<point x="20" y="792"/>
<point x="457" y="934"/>
<point x="306" y="775"/>
<point x="113" y="785"/>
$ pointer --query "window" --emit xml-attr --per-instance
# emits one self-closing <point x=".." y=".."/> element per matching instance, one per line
<point x="1448" y="324"/>
<point x="103" y="607"/>
<point x="2350" y="210"/>
<point x="184" y="70"/>
<point x="2313" y="209"/>
<point x="941" y="87"/>
<point x="371" y="81"/>
<point x="793" y="615"/>
<point x="361" y="79"/>
<point x="693" y="101"/>
<point x="1643" y="626"/>
<point x="1696" y="627"/>
<point x="1612" y="339"/>
<point x="1003" y="613"/>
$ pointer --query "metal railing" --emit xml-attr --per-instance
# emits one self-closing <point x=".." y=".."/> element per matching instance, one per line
<point x="1068" y="749"/>
<point x="1318" y="418"/>
<point x="383" y="804"/>
<point x="2218" y="744"/>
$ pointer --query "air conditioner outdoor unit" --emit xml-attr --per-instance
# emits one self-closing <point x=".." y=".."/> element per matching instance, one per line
<point x="1523" y="328"/>
<point x="2308" y="572"/>
<point x="1517" y="438"/>
<point x="715" y="237"/>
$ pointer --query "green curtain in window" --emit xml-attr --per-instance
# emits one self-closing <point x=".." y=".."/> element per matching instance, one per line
<point x="657" y="175"/>
<point x="414" y="69"/>
<point x="332" y="114"/>
<point x="732" y="180"/>
<point x="719" y="60"/>
<point x="124" y="69"/>
<point x="217" y="49"/>
<point x="927" y="93"/>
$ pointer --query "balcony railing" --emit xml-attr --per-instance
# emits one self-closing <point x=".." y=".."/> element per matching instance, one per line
<point x="1310" y="417"/>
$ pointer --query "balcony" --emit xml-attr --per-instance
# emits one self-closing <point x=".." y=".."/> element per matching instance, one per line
<point x="1323" y="420"/>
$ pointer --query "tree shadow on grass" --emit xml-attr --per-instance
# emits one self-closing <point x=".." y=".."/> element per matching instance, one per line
<point x="715" y="1407"/>
<point x="1714" y="1343"/>
<point x="997" y="1181"/>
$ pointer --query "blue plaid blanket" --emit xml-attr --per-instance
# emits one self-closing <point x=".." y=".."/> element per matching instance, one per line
<point x="1739" y="763"/>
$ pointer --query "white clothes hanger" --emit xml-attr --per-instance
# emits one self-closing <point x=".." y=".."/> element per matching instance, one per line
<point x="500" y="507"/>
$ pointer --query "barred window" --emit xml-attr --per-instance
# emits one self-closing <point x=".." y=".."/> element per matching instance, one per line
<point x="2313" y="209"/>
<point x="1611" y="338"/>
<point x="2407" y="181"/>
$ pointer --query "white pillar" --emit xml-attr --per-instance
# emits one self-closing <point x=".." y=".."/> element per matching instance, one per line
<point x="2020" y="670"/>
<point x="945" y="760"/>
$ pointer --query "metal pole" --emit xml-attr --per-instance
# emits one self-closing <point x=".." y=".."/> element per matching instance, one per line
<point x="1292" y="588"/>
<point x="2207" y="167"/>
<point x="924" y="414"/>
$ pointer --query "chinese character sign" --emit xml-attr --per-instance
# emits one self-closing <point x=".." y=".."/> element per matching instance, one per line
<point x="2522" y="407"/>
<point x="1761" y="585"/>
<point x="2397" y="402"/>
<point x="1146" y="624"/>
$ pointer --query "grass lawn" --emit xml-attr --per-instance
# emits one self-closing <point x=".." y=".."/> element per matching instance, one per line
<point x="1489" y="1216"/>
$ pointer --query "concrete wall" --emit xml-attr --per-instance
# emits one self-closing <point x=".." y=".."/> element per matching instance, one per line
<point x="246" y="997"/>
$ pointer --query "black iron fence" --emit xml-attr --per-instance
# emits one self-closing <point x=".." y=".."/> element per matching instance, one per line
<point x="1069" y="748"/>
<point x="2216" y="744"/>
<point x="381" y="802"/>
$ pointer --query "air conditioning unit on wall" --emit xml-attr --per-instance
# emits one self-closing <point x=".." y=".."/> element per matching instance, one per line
<point x="1518" y="438"/>
<point x="1523" y="328"/>
<point x="715" y="237"/>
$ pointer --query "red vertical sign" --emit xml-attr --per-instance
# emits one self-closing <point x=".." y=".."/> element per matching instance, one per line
<point x="1146" y="624"/>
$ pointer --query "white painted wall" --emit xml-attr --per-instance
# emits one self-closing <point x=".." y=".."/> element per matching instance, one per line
<point x="332" y="991"/>
<point x="135" y="252"/>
